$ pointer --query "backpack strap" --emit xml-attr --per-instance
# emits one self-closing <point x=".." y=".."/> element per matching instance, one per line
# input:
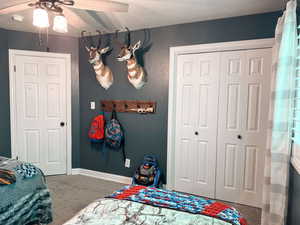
<point x="113" y="114"/>
<point x="123" y="150"/>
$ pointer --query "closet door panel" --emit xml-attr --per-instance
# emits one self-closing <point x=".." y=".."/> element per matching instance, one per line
<point x="231" y="164"/>
<point x="230" y="126"/>
<point x="197" y="106"/>
<point x="205" y="130"/>
<point x="233" y="107"/>
<point x="184" y="155"/>
<point x="255" y="121"/>
<point x="243" y="123"/>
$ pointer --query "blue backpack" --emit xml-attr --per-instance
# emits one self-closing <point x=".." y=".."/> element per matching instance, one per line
<point x="114" y="135"/>
<point x="148" y="173"/>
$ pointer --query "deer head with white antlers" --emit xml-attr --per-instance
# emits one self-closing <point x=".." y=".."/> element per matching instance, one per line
<point x="136" y="74"/>
<point x="104" y="74"/>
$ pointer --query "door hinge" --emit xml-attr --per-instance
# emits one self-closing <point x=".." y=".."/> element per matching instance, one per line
<point x="15" y="68"/>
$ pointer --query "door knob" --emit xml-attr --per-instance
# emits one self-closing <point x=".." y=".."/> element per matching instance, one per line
<point x="196" y="133"/>
<point x="62" y="124"/>
<point x="239" y="137"/>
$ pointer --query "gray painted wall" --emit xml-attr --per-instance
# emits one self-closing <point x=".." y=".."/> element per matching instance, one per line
<point x="294" y="198"/>
<point x="4" y="96"/>
<point x="29" y="41"/>
<point x="147" y="134"/>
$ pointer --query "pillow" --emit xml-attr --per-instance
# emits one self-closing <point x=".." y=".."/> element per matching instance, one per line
<point x="26" y="170"/>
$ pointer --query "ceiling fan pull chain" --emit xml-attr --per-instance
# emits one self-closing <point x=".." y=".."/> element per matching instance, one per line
<point x="48" y="49"/>
<point x="40" y="37"/>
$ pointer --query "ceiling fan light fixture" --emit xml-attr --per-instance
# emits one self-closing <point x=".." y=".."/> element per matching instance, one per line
<point x="40" y="18"/>
<point x="60" y="24"/>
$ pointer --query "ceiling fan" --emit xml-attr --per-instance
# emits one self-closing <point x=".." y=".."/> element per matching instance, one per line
<point x="61" y="8"/>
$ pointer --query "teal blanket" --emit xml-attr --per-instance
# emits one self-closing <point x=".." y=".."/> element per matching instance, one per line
<point x="25" y="202"/>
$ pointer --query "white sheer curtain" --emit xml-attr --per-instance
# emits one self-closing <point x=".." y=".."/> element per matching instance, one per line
<point x="275" y="195"/>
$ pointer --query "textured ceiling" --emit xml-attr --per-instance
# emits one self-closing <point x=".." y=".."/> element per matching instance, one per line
<point x="147" y="14"/>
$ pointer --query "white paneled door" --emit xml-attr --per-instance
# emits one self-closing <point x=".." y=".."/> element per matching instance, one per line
<point x="40" y="89"/>
<point x="222" y="102"/>
<point x="243" y="119"/>
<point x="196" y="125"/>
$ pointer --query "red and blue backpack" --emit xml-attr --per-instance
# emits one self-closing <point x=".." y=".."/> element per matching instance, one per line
<point x="96" y="132"/>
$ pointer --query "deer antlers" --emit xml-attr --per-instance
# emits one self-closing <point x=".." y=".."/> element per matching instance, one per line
<point x="116" y="40"/>
<point x="100" y="39"/>
<point x="120" y="44"/>
<point x="89" y="40"/>
<point x="128" y="37"/>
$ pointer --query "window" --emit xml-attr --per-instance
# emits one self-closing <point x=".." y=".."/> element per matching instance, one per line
<point x="296" y="115"/>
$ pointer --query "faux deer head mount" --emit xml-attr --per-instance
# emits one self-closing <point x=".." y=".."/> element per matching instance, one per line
<point x="136" y="74"/>
<point x="104" y="74"/>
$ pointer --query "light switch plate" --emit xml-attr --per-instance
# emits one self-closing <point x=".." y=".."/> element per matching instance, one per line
<point x="93" y="105"/>
<point x="127" y="163"/>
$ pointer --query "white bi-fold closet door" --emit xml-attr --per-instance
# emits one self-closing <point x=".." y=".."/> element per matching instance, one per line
<point x="40" y="106"/>
<point x="221" y="123"/>
<point x="196" y="123"/>
<point x="242" y="128"/>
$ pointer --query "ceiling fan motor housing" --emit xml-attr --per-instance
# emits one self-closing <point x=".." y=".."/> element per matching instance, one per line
<point x="52" y="5"/>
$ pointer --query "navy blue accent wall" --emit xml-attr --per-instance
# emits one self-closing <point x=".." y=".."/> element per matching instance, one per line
<point x="147" y="134"/>
<point x="29" y="41"/>
<point x="4" y="96"/>
<point x="294" y="198"/>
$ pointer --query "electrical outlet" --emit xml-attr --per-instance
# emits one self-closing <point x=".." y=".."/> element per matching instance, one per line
<point x="127" y="163"/>
<point x="93" y="105"/>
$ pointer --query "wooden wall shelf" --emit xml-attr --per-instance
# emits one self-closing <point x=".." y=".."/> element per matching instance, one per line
<point x="128" y="106"/>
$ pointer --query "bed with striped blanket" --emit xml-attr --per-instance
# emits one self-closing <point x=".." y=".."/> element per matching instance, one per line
<point x="27" y="201"/>
<point x="139" y="205"/>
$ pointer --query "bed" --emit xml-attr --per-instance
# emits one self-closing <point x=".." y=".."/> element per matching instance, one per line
<point x="139" y="205"/>
<point x="27" y="200"/>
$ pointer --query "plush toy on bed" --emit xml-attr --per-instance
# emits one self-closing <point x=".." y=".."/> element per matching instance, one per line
<point x="148" y="173"/>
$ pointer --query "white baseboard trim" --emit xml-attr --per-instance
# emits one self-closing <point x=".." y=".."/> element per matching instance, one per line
<point x="75" y="171"/>
<point x="164" y="186"/>
<point x="101" y="175"/>
<point x="296" y="164"/>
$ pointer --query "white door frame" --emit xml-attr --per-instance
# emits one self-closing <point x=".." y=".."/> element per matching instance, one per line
<point x="195" y="49"/>
<point x="12" y="83"/>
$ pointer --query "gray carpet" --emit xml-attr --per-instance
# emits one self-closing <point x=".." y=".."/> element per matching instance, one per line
<point x="70" y="194"/>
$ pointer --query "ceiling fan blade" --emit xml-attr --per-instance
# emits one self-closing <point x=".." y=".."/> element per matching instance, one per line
<point x="101" y="5"/>
<point x="15" y="8"/>
<point x="74" y="20"/>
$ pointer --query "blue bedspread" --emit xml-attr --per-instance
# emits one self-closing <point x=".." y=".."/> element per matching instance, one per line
<point x="25" y="202"/>
<point x="181" y="202"/>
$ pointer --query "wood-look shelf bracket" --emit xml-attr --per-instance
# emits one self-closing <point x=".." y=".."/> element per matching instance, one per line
<point x="142" y="107"/>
